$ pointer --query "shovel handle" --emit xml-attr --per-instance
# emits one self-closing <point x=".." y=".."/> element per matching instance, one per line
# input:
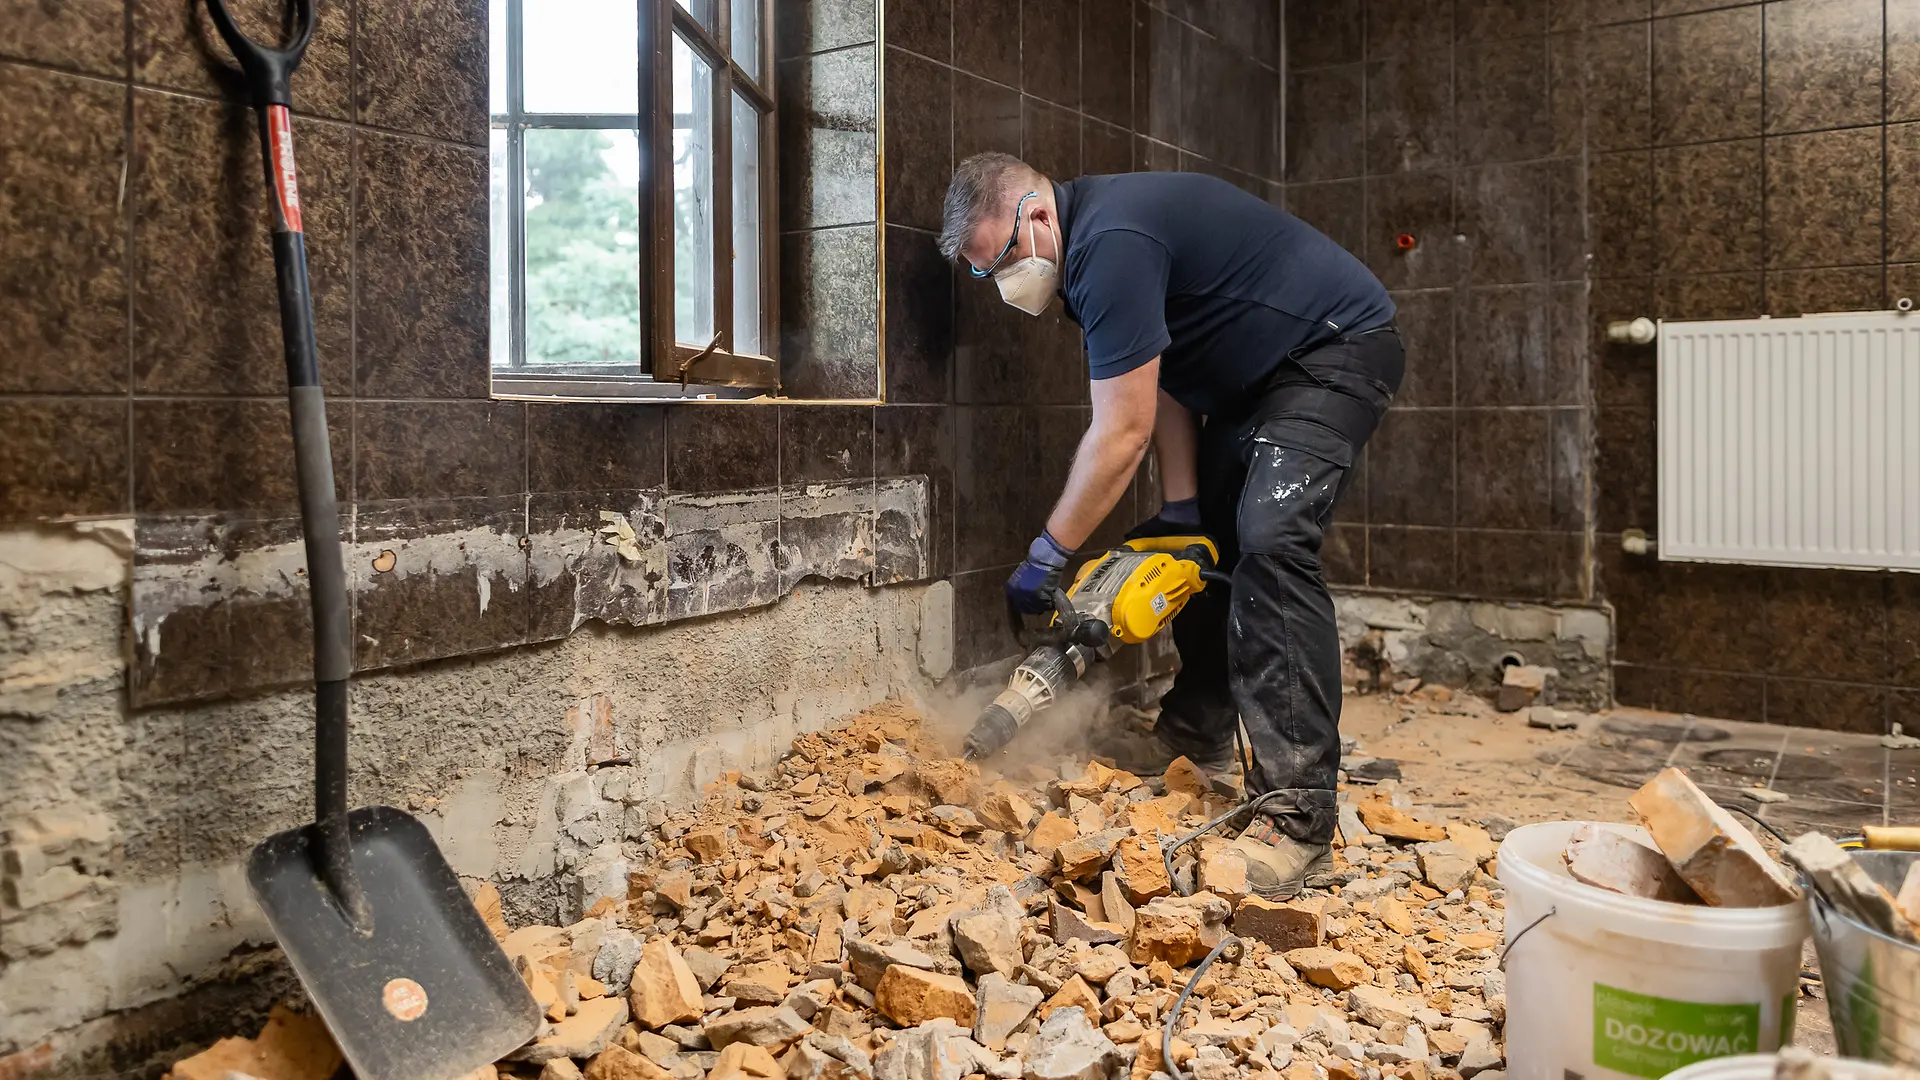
<point x="268" y="71"/>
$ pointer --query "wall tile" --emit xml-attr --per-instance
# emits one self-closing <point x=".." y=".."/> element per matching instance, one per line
<point x="1506" y="468"/>
<point x="1709" y="296"/>
<point x="1620" y="213"/>
<point x="1823" y="64"/>
<point x="985" y="39"/>
<point x="1049" y="138"/>
<point x="1601" y="12"/>
<point x="62" y="456"/>
<point x="1488" y="20"/>
<point x="1824" y="199"/>
<point x="924" y="26"/>
<point x="1324" y="32"/>
<point x="1426" y="321"/>
<point x="218" y="455"/>
<point x="988" y="368"/>
<point x="990" y="446"/>
<point x="1501" y="100"/>
<point x="1659" y="608"/>
<point x="1337" y="208"/>
<point x="830" y="313"/>
<point x="1325" y="136"/>
<point x="1152" y="156"/>
<point x="1420" y="204"/>
<point x="1104" y="148"/>
<point x="1828" y="624"/>
<point x="722" y="448"/>
<point x="920" y="302"/>
<point x="1398" y="28"/>
<point x="810" y="26"/>
<point x="1903" y="630"/>
<point x="919" y="137"/>
<point x="1106" y="60"/>
<point x="1571" y="449"/>
<point x="985" y="117"/>
<point x="1410" y="469"/>
<point x="1241" y="138"/>
<point x="1249" y="27"/>
<point x="1567" y="237"/>
<point x="910" y="440"/>
<point x="1903" y="192"/>
<point x="420" y="252"/>
<point x="62" y="233"/>
<point x="1410" y="112"/>
<point x="1828" y="707"/>
<point x="1417" y="560"/>
<point x="980" y="633"/>
<point x="1515" y="565"/>
<point x="409" y="618"/>
<point x="1164" y="50"/>
<point x="827" y="123"/>
<point x="1504" y="214"/>
<point x="88" y="36"/>
<point x="594" y="446"/>
<point x="1050" y="50"/>
<point x="1567" y="92"/>
<point x="206" y="309"/>
<point x="175" y="46"/>
<point x="1805" y="292"/>
<point x="439" y="449"/>
<point x="1708" y="206"/>
<point x="1706" y="76"/>
<point x="420" y="66"/>
<point x="1505" y="355"/>
<point x="1625" y="469"/>
<point x="825" y="442"/>
<point x="1620" y="86"/>
<point x="1343" y="555"/>
<point x="1903" y="59"/>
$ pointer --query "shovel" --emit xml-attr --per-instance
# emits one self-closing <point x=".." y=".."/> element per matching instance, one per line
<point x="403" y="969"/>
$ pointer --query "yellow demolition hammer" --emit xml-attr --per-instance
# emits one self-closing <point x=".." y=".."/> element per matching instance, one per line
<point x="1123" y="596"/>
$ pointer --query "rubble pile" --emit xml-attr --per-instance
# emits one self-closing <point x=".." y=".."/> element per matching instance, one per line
<point x="873" y="909"/>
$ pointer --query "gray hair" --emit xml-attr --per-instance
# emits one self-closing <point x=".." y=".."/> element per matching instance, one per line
<point x="980" y="188"/>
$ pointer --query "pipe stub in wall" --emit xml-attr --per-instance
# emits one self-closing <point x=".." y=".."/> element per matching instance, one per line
<point x="1640" y="331"/>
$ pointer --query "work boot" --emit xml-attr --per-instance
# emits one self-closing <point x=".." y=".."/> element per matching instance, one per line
<point x="1147" y="754"/>
<point x="1278" y="866"/>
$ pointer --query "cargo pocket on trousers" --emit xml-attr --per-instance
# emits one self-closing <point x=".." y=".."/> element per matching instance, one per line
<point x="1293" y="476"/>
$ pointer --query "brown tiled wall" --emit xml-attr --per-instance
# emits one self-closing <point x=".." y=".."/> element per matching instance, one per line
<point x="1746" y="160"/>
<point x="140" y="368"/>
<point x="1457" y="124"/>
<point x="1072" y="86"/>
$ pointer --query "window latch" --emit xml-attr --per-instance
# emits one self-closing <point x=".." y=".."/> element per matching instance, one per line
<point x="687" y="364"/>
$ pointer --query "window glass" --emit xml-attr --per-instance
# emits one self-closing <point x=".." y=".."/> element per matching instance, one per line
<point x="499" y="254"/>
<point x="746" y="227"/>
<point x="581" y="56"/>
<point x="692" y="195"/>
<point x="583" y="246"/>
<point x="701" y="10"/>
<point x="746" y="36"/>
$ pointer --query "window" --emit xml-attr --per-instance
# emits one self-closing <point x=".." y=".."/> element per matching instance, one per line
<point x="612" y="277"/>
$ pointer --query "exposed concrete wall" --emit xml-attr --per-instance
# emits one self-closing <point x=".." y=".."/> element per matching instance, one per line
<point x="540" y="768"/>
<point x="1464" y="643"/>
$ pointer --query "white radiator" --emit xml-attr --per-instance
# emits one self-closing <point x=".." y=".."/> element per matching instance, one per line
<point x="1791" y="442"/>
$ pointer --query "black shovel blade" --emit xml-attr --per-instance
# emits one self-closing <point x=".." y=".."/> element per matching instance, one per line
<point x="428" y="994"/>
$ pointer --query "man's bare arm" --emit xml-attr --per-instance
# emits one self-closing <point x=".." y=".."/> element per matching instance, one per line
<point x="1124" y="410"/>
<point x="1176" y="441"/>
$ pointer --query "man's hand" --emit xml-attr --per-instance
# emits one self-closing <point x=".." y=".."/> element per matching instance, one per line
<point x="1030" y="589"/>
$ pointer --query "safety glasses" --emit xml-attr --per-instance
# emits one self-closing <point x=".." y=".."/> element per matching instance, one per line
<point x="1011" y="240"/>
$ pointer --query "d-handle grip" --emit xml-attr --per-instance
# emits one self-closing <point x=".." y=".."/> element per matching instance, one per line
<point x="268" y="71"/>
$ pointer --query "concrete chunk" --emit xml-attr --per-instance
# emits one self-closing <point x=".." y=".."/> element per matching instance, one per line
<point x="1282" y="926"/>
<point x="1708" y="848"/>
<point x="771" y="1026"/>
<point x="909" y="996"/>
<point x="1003" y="1006"/>
<point x="1848" y="885"/>
<point x="1068" y="1047"/>
<point x="663" y="990"/>
<point x="1602" y="857"/>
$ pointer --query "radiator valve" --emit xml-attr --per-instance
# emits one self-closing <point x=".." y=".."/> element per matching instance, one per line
<point x="1637" y="542"/>
<point x="1639" y="331"/>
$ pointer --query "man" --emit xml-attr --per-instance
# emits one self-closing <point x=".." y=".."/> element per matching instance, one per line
<point x="1256" y="357"/>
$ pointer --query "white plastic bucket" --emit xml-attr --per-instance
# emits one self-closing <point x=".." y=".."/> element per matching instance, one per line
<point x="1763" y="1067"/>
<point x="1612" y="987"/>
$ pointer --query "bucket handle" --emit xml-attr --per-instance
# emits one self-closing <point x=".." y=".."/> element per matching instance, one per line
<point x="1523" y="933"/>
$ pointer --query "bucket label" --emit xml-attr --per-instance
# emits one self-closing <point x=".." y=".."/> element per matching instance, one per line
<point x="1651" y="1036"/>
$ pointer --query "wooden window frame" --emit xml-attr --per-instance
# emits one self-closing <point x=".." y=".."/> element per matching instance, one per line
<point x="672" y="368"/>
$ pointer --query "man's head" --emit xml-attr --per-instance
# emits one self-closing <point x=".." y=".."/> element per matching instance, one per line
<point x="1000" y="220"/>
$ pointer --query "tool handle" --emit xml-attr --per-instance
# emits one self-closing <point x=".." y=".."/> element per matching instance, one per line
<point x="269" y="71"/>
<point x="1891" y="838"/>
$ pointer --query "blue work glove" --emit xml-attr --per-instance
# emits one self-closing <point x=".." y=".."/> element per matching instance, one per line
<point x="1181" y="517"/>
<point x="1030" y="589"/>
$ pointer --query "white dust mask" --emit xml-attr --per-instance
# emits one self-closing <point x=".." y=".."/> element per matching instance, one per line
<point x="1029" y="284"/>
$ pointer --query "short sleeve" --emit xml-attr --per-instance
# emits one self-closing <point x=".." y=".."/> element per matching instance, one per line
<point x="1118" y="285"/>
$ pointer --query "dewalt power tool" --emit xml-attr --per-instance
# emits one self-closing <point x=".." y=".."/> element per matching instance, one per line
<point x="1123" y="597"/>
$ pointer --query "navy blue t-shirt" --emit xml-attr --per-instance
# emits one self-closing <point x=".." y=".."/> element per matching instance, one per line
<point x="1218" y="284"/>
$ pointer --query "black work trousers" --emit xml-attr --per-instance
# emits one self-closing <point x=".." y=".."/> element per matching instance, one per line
<point x="1267" y="651"/>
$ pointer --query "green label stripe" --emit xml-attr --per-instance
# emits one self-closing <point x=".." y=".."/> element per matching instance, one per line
<point x="1651" y="1036"/>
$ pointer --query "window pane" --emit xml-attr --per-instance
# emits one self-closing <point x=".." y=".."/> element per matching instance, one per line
<point x="497" y="56"/>
<point x="583" y="247"/>
<point x="746" y="227"/>
<point x="701" y="10"/>
<point x="499" y="250"/>
<point x="692" y="196"/>
<point x="746" y="36"/>
<point x="581" y="56"/>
